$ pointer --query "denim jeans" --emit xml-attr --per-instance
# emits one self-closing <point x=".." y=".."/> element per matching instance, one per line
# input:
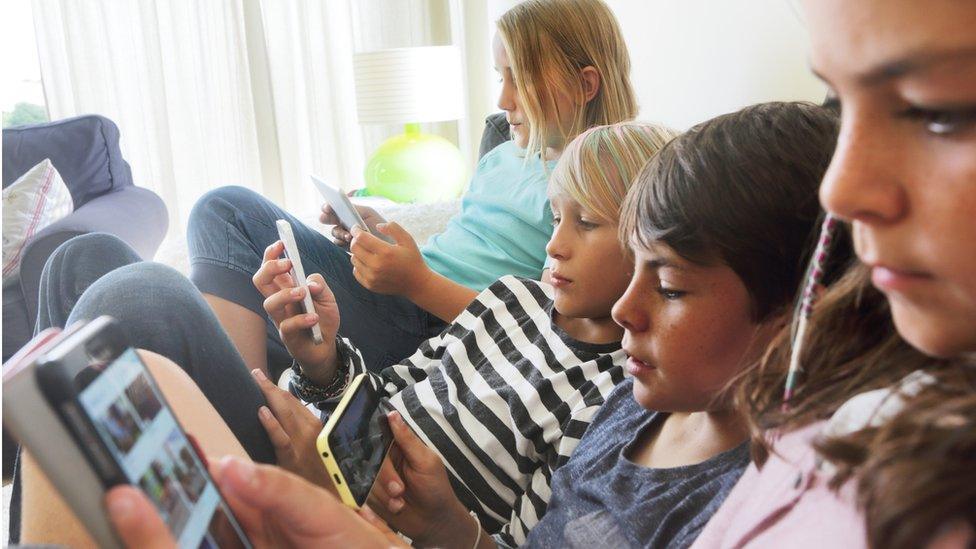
<point x="159" y="310"/>
<point x="228" y="232"/>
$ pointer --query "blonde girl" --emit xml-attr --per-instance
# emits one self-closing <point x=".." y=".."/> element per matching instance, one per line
<point x="564" y="67"/>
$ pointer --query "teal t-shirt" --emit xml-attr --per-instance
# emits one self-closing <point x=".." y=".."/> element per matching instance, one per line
<point x="504" y="224"/>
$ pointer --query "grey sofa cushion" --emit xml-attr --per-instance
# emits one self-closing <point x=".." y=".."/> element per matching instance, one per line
<point x="496" y="132"/>
<point x="84" y="150"/>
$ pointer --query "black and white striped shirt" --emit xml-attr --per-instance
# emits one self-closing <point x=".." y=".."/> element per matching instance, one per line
<point x="503" y="395"/>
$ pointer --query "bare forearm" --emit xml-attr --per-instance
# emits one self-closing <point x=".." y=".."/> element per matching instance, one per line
<point x="442" y="297"/>
<point x="460" y="530"/>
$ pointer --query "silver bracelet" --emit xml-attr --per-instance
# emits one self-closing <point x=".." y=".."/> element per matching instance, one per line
<point x="477" y="521"/>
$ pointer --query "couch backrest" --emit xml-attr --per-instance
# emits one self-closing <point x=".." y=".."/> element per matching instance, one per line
<point x="84" y="150"/>
<point x="496" y="132"/>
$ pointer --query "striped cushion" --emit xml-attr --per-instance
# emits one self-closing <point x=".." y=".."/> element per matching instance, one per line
<point x="36" y="200"/>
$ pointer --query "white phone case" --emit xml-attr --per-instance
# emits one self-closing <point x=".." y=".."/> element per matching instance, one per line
<point x="38" y="428"/>
<point x="297" y="272"/>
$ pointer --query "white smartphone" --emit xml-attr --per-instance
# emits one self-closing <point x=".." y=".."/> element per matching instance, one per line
<point x="38" y="428"/>
<point x="348" y="215"/>
<point x="91" y="414"/>
<point x="297" y="272"/>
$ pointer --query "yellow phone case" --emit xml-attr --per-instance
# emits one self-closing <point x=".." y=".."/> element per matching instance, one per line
<point x="325" y="452"/>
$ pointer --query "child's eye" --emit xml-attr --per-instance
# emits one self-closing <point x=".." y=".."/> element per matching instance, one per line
<point x="941" y="122"/>
<point x="555" y="220"/>
<point x="670" y="294"/>
<point x="586" y="225"/>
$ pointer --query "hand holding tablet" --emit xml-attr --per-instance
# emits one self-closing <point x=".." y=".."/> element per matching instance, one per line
<point x="344" y="209"/>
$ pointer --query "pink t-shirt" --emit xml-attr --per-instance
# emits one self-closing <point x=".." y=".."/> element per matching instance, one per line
<point x="788" y="505"/>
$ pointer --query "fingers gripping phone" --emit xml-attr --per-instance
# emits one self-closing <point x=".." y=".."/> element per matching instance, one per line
<point x="345" y="210"/>
<point x="298" y="273"/>
<point x="117" y="415"/>
<point x="355" y="441"/>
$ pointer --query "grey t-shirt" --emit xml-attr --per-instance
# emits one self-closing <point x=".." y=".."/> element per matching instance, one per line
<point x="602" y="499"/>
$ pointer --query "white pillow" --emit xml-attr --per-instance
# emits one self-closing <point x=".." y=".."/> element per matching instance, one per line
<point x="36" y="200"/>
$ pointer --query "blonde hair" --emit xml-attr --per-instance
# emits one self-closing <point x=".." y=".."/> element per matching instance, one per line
<point x="548" y="42"/>
<point x="597" y="168"/>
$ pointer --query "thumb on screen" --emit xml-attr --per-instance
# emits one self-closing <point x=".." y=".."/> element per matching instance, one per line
<point x="413" y="449"/>
<point x="396" y="232"/>
<point x="136" y="520"/>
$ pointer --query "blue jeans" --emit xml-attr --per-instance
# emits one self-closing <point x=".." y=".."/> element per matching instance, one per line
<point x="228" y="232"/>
<point x="159" y="310"/>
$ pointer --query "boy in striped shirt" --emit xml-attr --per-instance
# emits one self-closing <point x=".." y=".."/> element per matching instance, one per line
<point x="504" y="394"/>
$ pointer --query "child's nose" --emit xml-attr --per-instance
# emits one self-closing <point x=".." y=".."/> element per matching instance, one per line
<point x="627" y="313"/>
<point x="859" y="184"/>
<point x="506" y="99"/>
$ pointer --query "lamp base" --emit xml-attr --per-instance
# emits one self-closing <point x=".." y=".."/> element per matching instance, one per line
<point x="415" y="167"/>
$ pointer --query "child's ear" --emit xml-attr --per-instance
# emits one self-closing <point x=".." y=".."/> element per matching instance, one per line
<point x="591" y="82"/>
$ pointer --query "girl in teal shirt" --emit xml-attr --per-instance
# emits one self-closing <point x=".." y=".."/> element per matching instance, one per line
<point x="564" y="68"/>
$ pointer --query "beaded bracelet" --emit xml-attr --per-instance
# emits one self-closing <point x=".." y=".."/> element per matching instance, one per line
<point x="307" y="390"/>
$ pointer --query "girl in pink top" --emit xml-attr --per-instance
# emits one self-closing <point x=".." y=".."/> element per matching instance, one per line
<point x="876" y="445"/>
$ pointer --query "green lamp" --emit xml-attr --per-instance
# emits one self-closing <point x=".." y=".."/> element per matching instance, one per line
<point x="411" y="86"/>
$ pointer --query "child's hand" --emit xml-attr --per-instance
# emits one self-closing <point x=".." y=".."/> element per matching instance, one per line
<point x="275" y="508"/>
<point x="293" y="430"/>
<point x="342" y="236"/>
<point x="386" y="268"/>
<point x="282" y="303"/>
<point x="416" y="497"/>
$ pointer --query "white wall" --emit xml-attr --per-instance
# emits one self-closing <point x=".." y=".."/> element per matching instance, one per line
<point x="695" y="59"/>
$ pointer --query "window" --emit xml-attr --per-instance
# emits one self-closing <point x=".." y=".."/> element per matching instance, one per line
<point x="22" y="99"/>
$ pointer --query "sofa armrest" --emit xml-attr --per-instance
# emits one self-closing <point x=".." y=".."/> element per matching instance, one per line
<point x="135" y="215"/>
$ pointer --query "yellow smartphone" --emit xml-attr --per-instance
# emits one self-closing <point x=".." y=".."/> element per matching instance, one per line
<point x="355" y="441"/>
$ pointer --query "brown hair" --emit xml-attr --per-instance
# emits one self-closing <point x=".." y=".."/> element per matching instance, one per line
<point x="740" y="189"/>
<point x="548" y="42"/>
<point x="908" y="471"/>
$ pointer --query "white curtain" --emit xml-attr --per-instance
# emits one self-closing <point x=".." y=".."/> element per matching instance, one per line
<point x="256" y="93"/>
<point x="310" y="45"/>
<point x="172" y="75"/>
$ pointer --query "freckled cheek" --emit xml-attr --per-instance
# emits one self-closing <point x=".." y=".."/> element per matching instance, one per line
<point x="705" y="346"/>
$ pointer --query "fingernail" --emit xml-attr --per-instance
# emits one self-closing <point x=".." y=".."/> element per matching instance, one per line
<point x="296" y="292"/>
<point x="311" y="318"/>
<point x="121" y="505"/>
<point x="395" y="487"/>
<point x="259" y="375"/>
<point x="282" y="262"/>
<point x="396" y="505"/>
<point x="265" y="412"/>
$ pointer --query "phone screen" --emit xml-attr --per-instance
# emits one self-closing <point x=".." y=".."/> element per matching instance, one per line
<point x="360" y="440"/>
<point x="152" y="451"/>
